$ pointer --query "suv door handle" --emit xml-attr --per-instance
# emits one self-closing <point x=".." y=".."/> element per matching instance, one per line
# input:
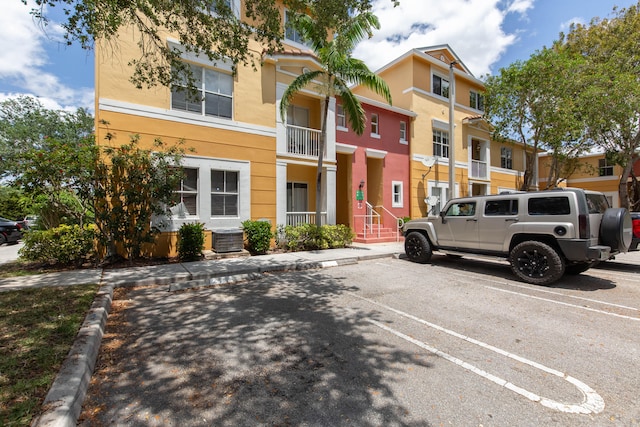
<point x="472" y="220"/>
<point x="511" y="220"/>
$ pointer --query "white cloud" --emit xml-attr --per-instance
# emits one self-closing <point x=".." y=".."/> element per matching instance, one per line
<point x="24" y="59"/>
<point x="472" y="28"/>
<point x="566" y="25"/>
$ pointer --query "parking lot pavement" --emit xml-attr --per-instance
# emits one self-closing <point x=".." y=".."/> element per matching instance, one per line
<point x="384" y="342"/>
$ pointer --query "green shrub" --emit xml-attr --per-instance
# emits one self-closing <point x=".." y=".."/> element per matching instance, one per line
<point x="307" y="237"/>
<point x="190" y="241"/>
<point x="258" y="236"/>
<point x="65" y="245"/>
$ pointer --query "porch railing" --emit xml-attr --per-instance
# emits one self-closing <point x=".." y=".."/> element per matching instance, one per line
<point x="478" y="169"/>
<point x="303" y="141"/>
<point x="373" y="221"/>
<point x="297" y="218"/>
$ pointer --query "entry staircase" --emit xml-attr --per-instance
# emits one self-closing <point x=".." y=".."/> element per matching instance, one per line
<point x="378" y="225"/>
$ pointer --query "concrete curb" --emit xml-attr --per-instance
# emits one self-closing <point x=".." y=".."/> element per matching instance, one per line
<point x="63" y="404"/>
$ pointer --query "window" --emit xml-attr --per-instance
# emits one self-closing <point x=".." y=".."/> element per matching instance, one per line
<point x="396" y="189"/>
<point x="604" y="168"/>
<point x="440" y="86"/>
<point x="374" y="124"/>
<point x="440" y="143"/>
<point x="224" y="193"/>
<point x="214" y="93"/>
<point x="403" y="131"/>
<point x="291" y="34"/>
<point x="187" y="194"/>
<point x="462" y="209"/>
<point x="297" y="197"/>
<point x="506" y="155"/>
<point x="549" y="206"/>
<point x="341" y="119"/>
<point x="501" y="207"/>
<point x="476" y="100"/>
<point x="215" y="6"/>
<point x="438" y="195"/>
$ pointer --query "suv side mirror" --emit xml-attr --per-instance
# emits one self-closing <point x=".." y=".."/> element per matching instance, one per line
<point x="442" y="215"/>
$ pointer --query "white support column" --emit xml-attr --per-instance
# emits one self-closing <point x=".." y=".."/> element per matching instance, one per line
<point x="329" y="184"/>
<point x="331" y="130"/>
<point x="281" y="129"/>
<point x="281" y="193"/>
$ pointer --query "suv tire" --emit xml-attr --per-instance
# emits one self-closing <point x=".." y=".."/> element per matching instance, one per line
<point x="536" y="263"/>
<point x="615" y="229"/>
<point x="417" y="247"/>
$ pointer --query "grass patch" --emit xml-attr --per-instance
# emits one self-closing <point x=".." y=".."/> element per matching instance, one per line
<point x="37" y="329"/>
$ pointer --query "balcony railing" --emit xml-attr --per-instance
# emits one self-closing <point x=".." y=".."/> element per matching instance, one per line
<point x="478" y="169"/>
<point x="297" y="218"/>
<point x="303" y="141"/>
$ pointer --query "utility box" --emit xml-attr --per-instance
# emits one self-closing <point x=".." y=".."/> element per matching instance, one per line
<point x="230" y="240"/>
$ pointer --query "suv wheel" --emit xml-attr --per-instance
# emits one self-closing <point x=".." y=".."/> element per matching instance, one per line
<point x="417" y="247"/>
<point x="536" y="263"/>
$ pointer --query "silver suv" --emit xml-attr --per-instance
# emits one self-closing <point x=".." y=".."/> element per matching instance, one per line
<point x="543" y="234"/>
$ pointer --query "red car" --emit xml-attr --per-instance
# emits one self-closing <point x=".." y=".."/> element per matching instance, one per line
<point x="10" y="231"/>
<point x="635" y="241"/>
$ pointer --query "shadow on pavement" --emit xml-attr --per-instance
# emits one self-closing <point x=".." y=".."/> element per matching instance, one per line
<point x="276" y="351"/>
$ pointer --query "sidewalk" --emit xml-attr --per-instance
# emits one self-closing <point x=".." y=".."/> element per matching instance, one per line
<point x="64" y="400"/>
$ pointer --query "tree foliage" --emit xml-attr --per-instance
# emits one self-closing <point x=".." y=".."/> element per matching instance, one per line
<point x="53" y="161"/>
<point x="611" y="93"/>
<point x="338" y="70"/>
<point x="205" y="27"/>
<point x="534" y="103"/>
<point x="130" y="185"/>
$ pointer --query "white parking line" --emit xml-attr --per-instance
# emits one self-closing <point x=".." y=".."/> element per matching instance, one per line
<point x="595" y="310"/>
<point x="592" y="403"/>
<point x="576" y="297"/>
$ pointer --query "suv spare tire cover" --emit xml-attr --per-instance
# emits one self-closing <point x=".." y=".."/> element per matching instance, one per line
<point x="616" y="229"/>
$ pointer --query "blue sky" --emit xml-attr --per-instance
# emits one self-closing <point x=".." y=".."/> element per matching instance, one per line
<point x="486" y="35"/>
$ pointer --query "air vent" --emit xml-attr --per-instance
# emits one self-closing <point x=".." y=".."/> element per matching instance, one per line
<point x="230" y="240"/>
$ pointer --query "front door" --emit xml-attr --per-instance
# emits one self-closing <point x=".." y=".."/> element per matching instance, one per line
<point x="459" y="229"/>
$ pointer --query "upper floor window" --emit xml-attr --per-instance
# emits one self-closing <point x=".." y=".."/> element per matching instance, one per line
<point x="341" y="119"/>
<point x="506" y="158"/>
<point x="403" y="131"/>
<point x="440" y="143"/>
<point x="476" y="100"/>
<point x="290" y="33"/>
<point x="224" y="193"/>
<point x="604" y="168"/>
<point x="215" y="6"/>
<point x="440" y="86"/>
<point x="396" y="189"/>
<point x="374" y="124"/>
<point x="213" y="97"/>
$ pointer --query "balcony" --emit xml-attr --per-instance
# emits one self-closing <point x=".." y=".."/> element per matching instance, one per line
<point x="303" y="142"/>
<point x="478" y="170"/>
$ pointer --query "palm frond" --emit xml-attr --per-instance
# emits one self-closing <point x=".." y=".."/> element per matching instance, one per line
<point x="296" y="86"/>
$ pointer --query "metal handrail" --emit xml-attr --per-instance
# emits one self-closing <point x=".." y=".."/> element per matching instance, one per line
<point x="399" y="221"/>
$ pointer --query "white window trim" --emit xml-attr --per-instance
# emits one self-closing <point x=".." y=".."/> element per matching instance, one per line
<point x="204" y="166"/>
<point x="478" y="95"/>
<point x="395" y="204"/>
<point x="375" y="134"/>
<point x="404" y="140"/>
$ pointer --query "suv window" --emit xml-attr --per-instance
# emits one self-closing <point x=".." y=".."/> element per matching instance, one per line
<point x="549" y="206"/>
<point x="597" y="203"/>
<point x="501" y="207"/>
<point x="462" y="209"/>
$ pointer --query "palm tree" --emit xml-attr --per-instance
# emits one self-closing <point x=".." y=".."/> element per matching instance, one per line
<point x="338" y="70"/>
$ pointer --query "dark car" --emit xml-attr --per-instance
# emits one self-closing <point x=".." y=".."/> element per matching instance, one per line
<point x="635" y="241"/>
<point x="10" y="231"/>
